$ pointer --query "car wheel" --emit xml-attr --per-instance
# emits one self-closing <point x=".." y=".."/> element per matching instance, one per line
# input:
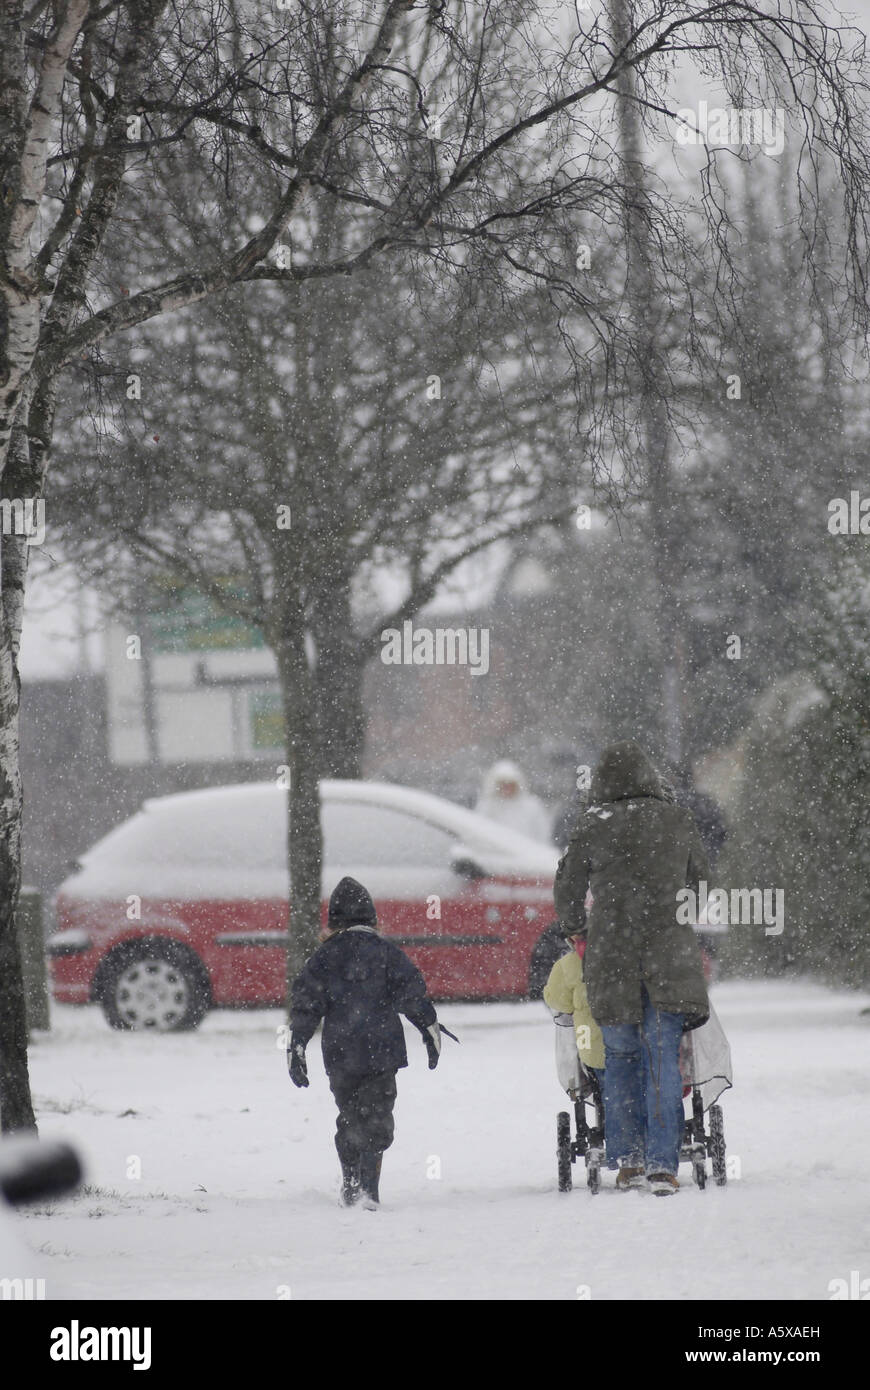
<point x="154" y="986"/>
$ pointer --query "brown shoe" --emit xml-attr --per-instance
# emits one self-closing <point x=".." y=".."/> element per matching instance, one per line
<point x="628" y="1178"/>
<point x="662" y="1184"/>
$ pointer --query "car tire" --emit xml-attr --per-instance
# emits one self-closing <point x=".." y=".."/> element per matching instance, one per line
<point x="156" y="986"/>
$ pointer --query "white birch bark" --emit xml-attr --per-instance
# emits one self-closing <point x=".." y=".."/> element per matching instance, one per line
<point x="19" y="284"/>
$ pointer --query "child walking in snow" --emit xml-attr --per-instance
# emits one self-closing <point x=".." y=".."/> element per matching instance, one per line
<point x="358" y="984"/>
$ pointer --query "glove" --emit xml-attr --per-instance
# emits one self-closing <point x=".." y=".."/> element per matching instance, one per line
<point x="432" y="1039"/>
<point x="296" y="1064"/>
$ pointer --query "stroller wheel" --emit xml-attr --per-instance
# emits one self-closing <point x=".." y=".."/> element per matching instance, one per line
<point x="699" y="1169"/>
<point x="593" y="1173"/>
<point x="563" y="1150"/>
<point x="717" y="1145"/>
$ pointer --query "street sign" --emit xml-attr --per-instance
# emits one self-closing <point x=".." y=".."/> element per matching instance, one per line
<point x="188" y="682"/>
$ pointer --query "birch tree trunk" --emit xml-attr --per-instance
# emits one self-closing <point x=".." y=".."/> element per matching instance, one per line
<point x="23" y="168"/>
<point x="25" y="133"/>
<point x="16" y="1108"/>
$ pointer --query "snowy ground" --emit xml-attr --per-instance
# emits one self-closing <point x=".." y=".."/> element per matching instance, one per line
<point x="237" y="1197"/>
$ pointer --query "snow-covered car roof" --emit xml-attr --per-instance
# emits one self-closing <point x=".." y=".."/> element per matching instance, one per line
<point x="244" y="824"/>
<point x="475" y="830"/>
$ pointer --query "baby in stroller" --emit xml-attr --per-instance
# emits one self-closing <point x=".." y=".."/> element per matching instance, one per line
<point x="565" y="996"/>
<point x="579" y="1062"/>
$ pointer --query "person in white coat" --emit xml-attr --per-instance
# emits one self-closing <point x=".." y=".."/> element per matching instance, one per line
<point x="504" y="797"/>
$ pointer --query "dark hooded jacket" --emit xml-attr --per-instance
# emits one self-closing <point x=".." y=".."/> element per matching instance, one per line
<point x="358" y="983"/>
<point x="635" y="849"/>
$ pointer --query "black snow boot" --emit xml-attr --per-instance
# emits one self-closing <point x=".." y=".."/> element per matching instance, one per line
<point x="369" y="1177"/>
<point x="350" y="1184"/>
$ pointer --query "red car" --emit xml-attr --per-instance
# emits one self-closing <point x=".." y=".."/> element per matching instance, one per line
<point x="183" y="907"/>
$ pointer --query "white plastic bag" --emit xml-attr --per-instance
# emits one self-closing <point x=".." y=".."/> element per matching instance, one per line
<point x="705" y="1059"/>
<point x="567" y="1056"/>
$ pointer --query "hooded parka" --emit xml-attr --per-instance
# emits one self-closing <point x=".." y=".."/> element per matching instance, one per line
<point x="522" y="811"/>
<point x="358" y="984"/>
<point x="635" y="849"/>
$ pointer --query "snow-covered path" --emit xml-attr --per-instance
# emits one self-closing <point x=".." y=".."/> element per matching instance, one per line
<point x="238" y="1190"/>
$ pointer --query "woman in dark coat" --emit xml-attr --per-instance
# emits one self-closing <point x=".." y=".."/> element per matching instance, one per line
<point x="636" y="849"/>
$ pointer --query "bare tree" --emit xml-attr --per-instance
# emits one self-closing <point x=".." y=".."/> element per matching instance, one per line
<point x="96" y="98"/>
<point x="304" y="448"/>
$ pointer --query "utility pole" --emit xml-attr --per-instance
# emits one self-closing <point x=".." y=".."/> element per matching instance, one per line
<point x="655" y="427"/>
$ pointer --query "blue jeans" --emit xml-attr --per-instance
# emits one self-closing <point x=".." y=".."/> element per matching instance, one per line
<point x="643" y="1091"/>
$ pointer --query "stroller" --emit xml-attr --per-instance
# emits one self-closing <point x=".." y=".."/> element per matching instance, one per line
<point x="705" y="1064"/>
